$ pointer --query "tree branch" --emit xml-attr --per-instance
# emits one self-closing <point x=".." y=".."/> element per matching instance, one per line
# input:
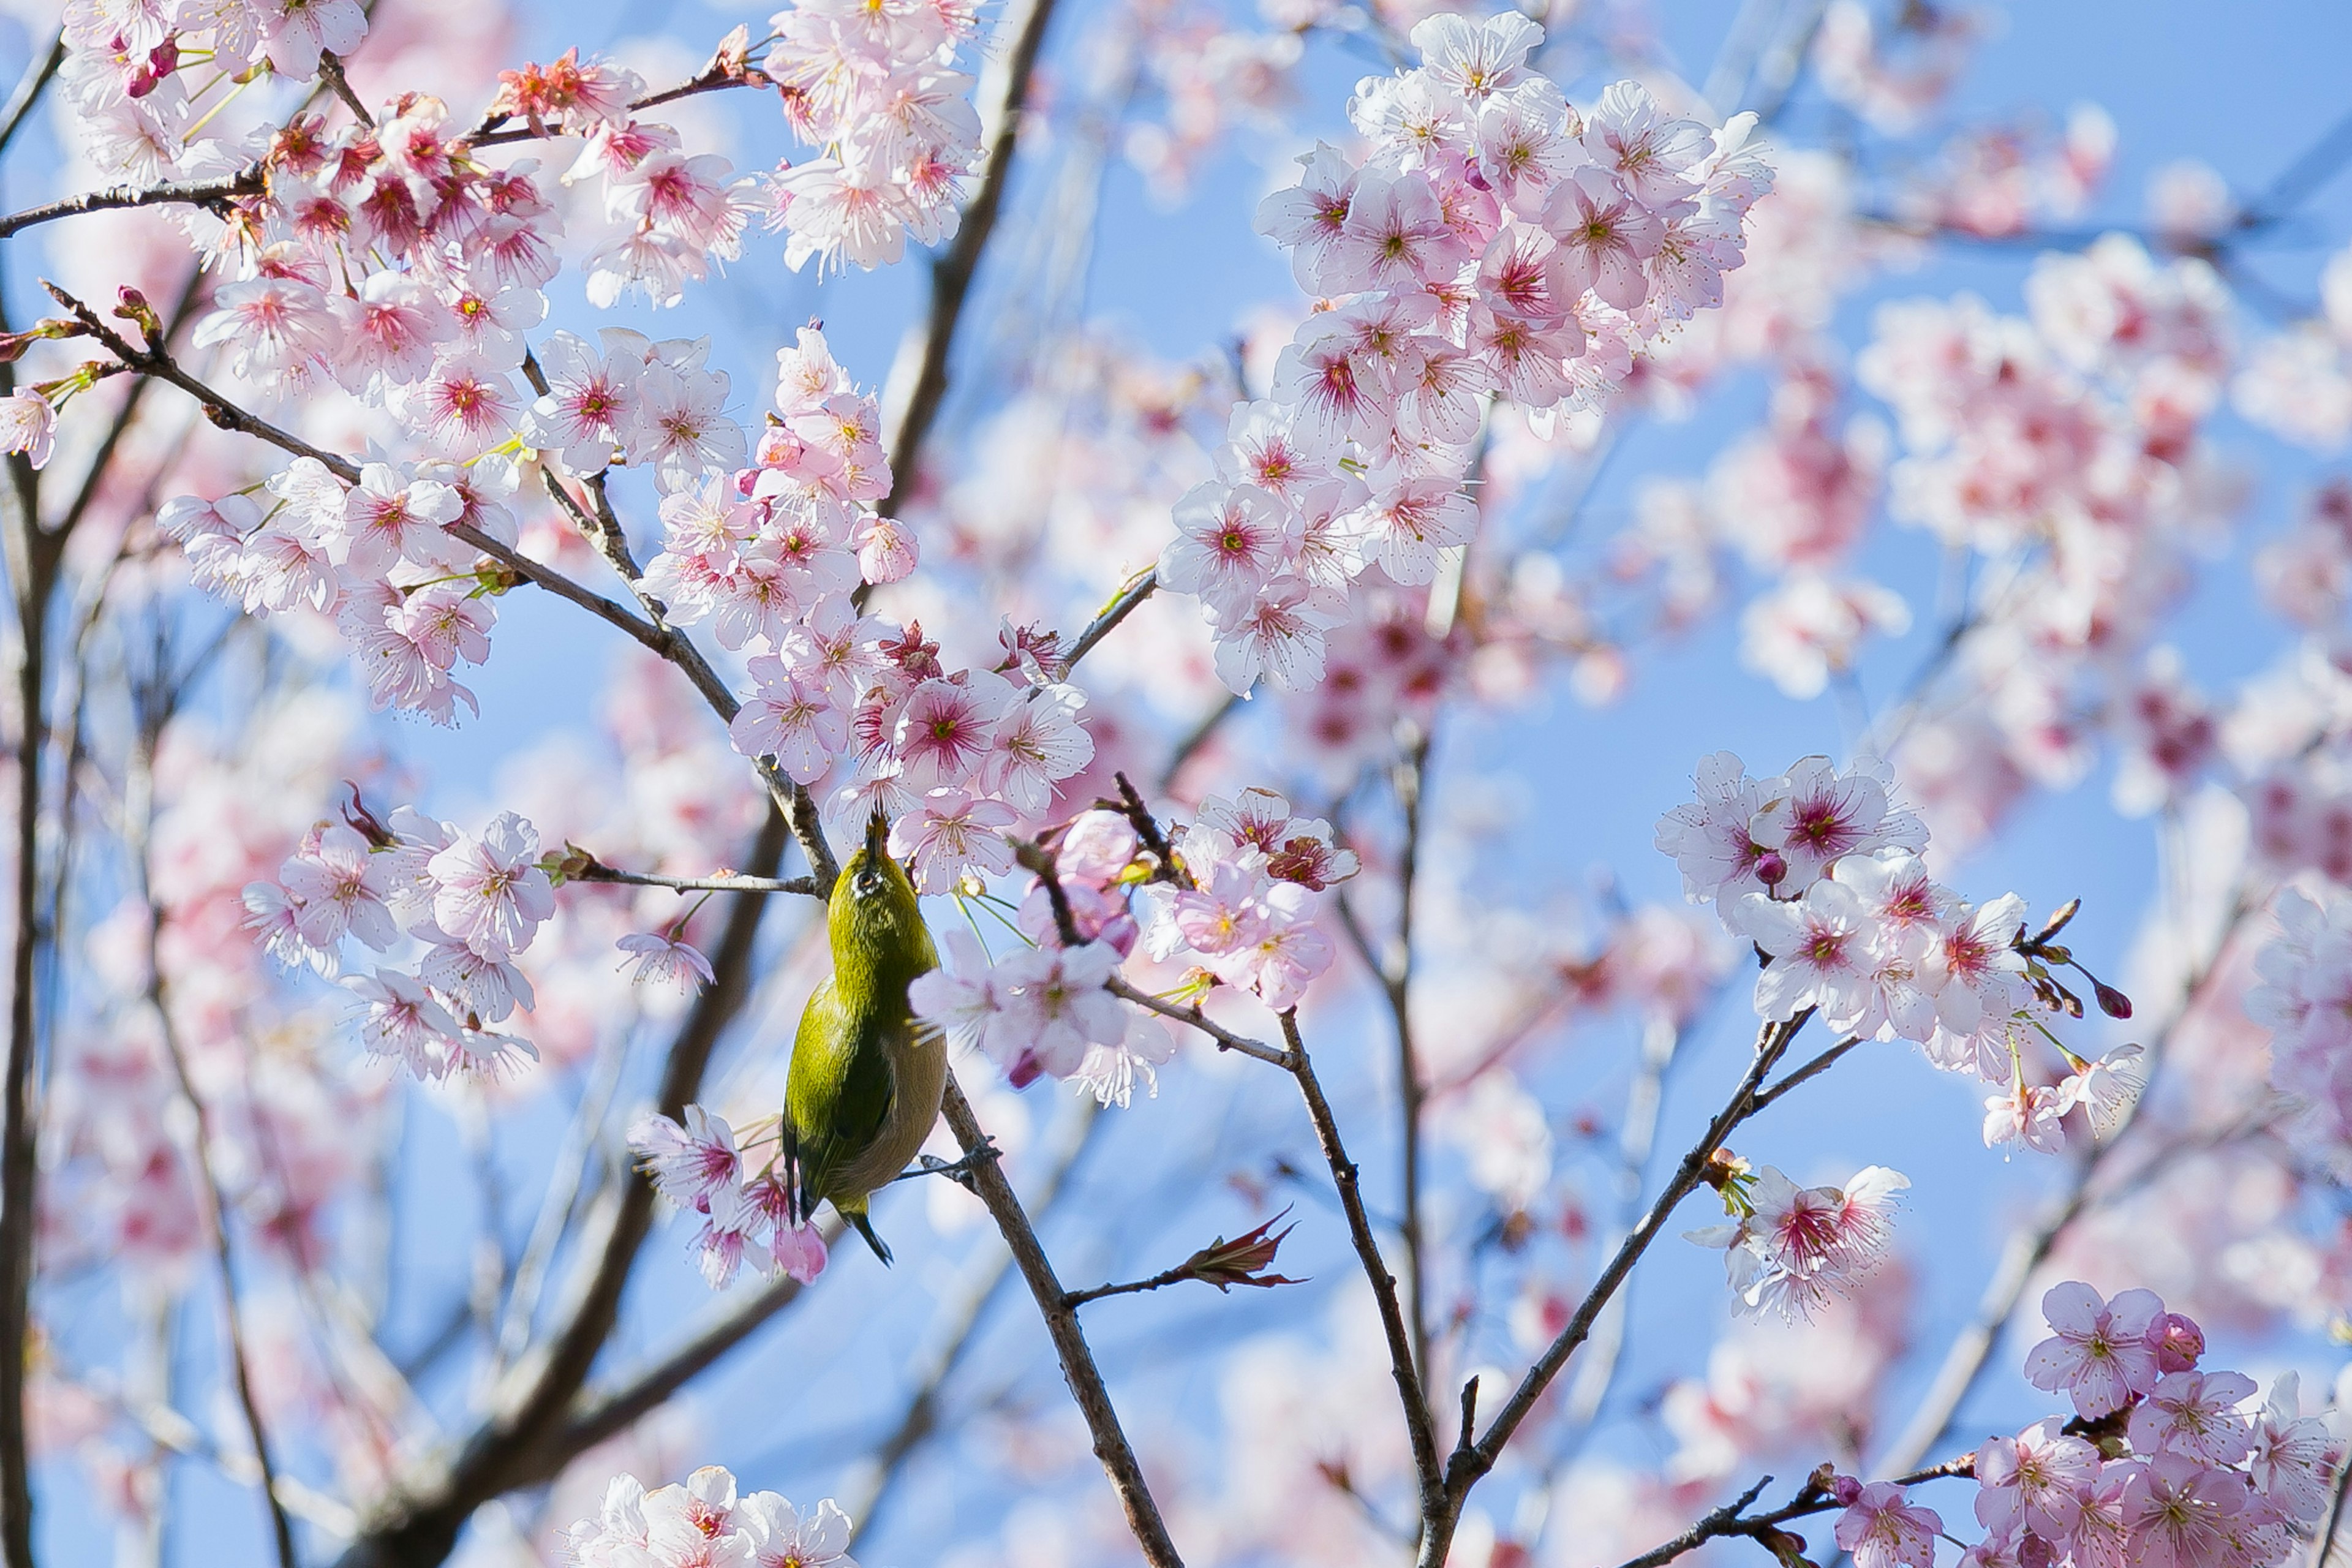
<point x="36" y="81"/>
<point x="864" y="1491"/>
<point x="215" y="194"/>
<point x="1117" y="610"/>
<point x="724" y="883"/>
<point x="615" y="1411"/>
<point x="1078" y="1369"/>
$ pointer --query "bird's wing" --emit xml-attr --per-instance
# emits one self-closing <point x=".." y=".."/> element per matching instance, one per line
<point x="838" y="1095"/>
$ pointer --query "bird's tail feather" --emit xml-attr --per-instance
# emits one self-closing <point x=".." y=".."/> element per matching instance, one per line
<point x="797" y="1200"/>
<point x="864" y="1227"/>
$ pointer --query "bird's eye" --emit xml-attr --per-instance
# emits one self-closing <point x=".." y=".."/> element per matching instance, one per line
<point x="869" y="883"/>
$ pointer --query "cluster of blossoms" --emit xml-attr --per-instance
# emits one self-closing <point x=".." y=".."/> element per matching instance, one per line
<point x="772" y="555"/>
<point x="874" y="86"/>
<point x="702" y="1522"/>
<point x="470" y="902"/>
<point x="2162" y="1466"/>
<point x="1789" y="1248"/>
<point x="138" y="107"/>
<point x="1820" y="870"/>
<point x="2068" y="449"/>
<point x="1493" y="243"/>
<point x="699" y="1166"/>
<point x="1239" y="903"/>
<point x="2305" y="1000"/>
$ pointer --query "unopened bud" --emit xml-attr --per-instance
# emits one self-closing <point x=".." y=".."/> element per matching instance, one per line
<point x="2178" y="1341"/>
<point x="2032" y="1551"/>
<point x="131" y="306"/>
<point x="1844" y="1489"/>
<point x="2112" y="1002"/>
<point x="1771" y="870"/>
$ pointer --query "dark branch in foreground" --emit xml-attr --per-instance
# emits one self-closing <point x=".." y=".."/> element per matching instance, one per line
<point x="1078" y="1369"/>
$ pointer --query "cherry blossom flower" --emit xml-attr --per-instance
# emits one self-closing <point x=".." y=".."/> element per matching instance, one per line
<point x="1796" y="1247"/>
<point x="1230" y="541"/>
<point x="2291" y="1455"/>
<point x="2099" y="1351"/>
<point x="2035" y="1481"/>
<point x="2195" y="1414"/>
<point x="492" y="895"/>
<point x="791" y="720"/>
<point x="1604" y="236"/>
<point x="400" y="1019"/>
<point x="1038" y="743"/>
<point x="1712" y="840"/>
<point x="1819" y="814"/>
<point x="28" y="425"/>
<point x="950" y="834"/>
<point x="1883" y="1529"/>
<point x="667" y="961"/>
<point x="688" y="1162"/>
<point x="1053" y="1006"/>
<point x="591" y="406"/>
<point x="337" y="886"/>
<point x="2179" y="1513"/>
<point x="960" y="996"/>
<point x="1820" y="945"/>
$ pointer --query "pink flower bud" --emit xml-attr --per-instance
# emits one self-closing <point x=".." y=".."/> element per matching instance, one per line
<point x="2112" y="1002"/>
<point x="1844" y="1489"/>
<point x="2178" y="1342"/>
<point x="1770" y="869"/>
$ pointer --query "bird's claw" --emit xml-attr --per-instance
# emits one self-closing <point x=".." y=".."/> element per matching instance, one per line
<point x="960" y="1172"/>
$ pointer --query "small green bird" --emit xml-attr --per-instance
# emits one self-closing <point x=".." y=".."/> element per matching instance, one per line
<point x="867" y="1075"/>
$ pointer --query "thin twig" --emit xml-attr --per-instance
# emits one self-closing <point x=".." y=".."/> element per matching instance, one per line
<point x="723" y="883"/>
<point x="1421" y="1427"/>
<point x="1078" y="1369"/>
<point x="28" y="91"/>
<point x="1120" y="987"/>
<point x="1468" y="1463"/>
<point x="331" y="71"/>
<point x="1732" y="1518"/>
<point x="951" y="274"/>
<point x="208" y="1181"/>
<point x="1117" y="610"/>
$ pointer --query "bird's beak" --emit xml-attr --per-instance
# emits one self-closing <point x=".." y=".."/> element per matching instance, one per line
<point x="877" y="835"/>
